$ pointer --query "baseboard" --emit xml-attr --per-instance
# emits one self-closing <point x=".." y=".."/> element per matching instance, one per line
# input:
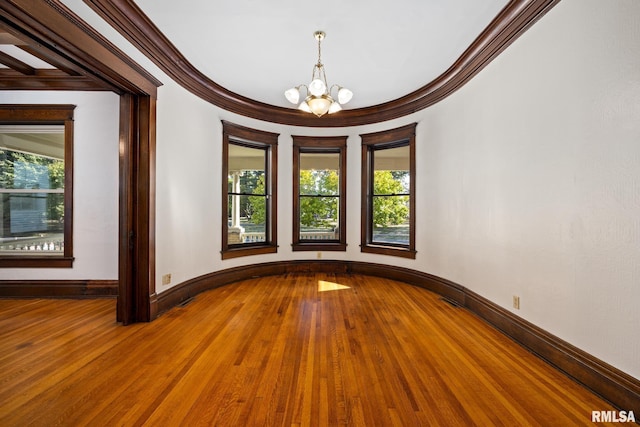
<point x="613" y="385"/>
<point x="58" y="288"/>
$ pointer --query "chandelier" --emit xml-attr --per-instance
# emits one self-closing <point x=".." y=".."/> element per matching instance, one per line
<point x="318" y="100"/>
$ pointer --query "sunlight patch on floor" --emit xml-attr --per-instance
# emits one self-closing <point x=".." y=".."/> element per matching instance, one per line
<point x="330" y="286"/>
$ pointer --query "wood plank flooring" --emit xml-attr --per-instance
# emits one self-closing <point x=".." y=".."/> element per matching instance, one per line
<point x="292" y="350"/>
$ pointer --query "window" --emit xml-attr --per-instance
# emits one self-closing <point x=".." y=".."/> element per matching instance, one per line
<point x="388" y="192"/>
<point x="249" y="191"/>
<point x="36" y="178"/>
<point x="319" y="189"/>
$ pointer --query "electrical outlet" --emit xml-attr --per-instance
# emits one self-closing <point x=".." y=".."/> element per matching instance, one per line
<point x="516" y="302"/>
<point x="166" y="279"/>
<point x="319" y="255"/>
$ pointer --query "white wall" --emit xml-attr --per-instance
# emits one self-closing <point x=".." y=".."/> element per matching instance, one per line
<point x="527" y="181"/>
<point x="95" y="185"/>
<point x="535" y="171"/>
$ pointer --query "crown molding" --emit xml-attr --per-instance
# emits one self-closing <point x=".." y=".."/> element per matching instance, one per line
<point x="127" y="18"/>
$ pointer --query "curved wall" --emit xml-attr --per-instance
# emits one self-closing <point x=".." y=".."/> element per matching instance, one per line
<point x="526" y="181"/>
<point x="537" y="179"/>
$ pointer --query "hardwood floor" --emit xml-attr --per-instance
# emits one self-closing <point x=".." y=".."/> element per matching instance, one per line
<point x="299" y="349"/>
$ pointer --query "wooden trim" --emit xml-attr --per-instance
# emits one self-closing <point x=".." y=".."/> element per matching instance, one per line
<point x="320" y="144"/>
<point x="126" y="262"/>
<point x="127" y="18"/>
<point x="61" y="114"/>
<point x="36" y="113"/>
<point x="613" y="385"/>
<point x="68" y="186"/>
<point x="390" y="136"/>
<point x="136" y="299"/>
<point x="35" y="261"/>
<point x="64" y="40"/>
<point x="17" y="65"/>
<point x="58" y="288"/>
<point x="259" y="139"/>
<point x="56" y="32"/>
<point x="405" y="135"/>
<point x="61" y="66"/>
<point x="46" y="80"/>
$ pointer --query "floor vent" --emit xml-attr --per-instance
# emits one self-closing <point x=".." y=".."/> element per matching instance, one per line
<point x="186" y="302"/>
<point x="450" y="302"/>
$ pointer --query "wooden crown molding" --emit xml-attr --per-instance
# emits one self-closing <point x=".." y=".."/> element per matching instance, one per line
<point x="126" y="17"/>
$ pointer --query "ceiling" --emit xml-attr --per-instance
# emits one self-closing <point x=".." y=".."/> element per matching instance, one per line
<point x="381" y="50"/>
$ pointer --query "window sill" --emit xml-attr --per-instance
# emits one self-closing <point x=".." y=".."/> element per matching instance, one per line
<point x="36" y="262"/>
<point x="317" y="246"/>
<point x="253" y="250"/>
<point x="389" y="250"/>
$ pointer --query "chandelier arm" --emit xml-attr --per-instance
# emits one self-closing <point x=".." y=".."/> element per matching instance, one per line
<point x="324" y="77"/>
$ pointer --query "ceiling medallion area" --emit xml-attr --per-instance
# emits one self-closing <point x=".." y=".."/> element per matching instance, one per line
<point x="512" y="21"/>
<point x="319" y="100"/>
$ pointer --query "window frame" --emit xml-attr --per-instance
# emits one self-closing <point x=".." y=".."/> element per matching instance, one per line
<point x="317" y="144"/>
<point x="372" y="142"/>
<point x="240" y="135"/>
<point x="46" y="114"/>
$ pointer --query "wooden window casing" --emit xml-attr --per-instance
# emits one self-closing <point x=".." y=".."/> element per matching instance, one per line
<point x="373" y="143"/>
<point x="41" y="114"/>
<point x="307" y="145"/>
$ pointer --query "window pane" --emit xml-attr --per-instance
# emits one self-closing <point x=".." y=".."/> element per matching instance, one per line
<point x="319" y="218"/>
<point x="246" y="178"/>
<point x="391" y="219"/>
<point x="319" y="178"/>
<point x="391" y="171"/>
<point x="319" y="173"/>
<point x="252" y="227"/>
<point x="32" y="180"/>
<point x="391" y="183"/>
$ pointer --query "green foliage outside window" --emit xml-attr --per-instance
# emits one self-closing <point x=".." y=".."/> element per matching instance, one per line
<point x="31" y="172"/>
<point x="318" y="211"/>
<point x="394" y="208"/>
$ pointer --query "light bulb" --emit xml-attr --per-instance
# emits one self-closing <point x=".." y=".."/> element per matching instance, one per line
<point x="334" y="108"/>
<point x="344" y="95"/>
<point x="319" y="105"/>
<point x="317" y="87"/>
<point x="292" y="95"/>
<point x="304" y="107"/>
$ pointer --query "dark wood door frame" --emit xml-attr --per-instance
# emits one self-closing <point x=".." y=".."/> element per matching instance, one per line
<point x="56" y="34"/>
<point x="137" y="301"/>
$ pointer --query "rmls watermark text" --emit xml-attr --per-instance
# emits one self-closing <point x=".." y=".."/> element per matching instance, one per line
<point x="613" y="417"/>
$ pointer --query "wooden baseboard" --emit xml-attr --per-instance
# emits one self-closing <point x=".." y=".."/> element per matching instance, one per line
<point x="613" y="385"/>
<point x="58" y="288"/>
